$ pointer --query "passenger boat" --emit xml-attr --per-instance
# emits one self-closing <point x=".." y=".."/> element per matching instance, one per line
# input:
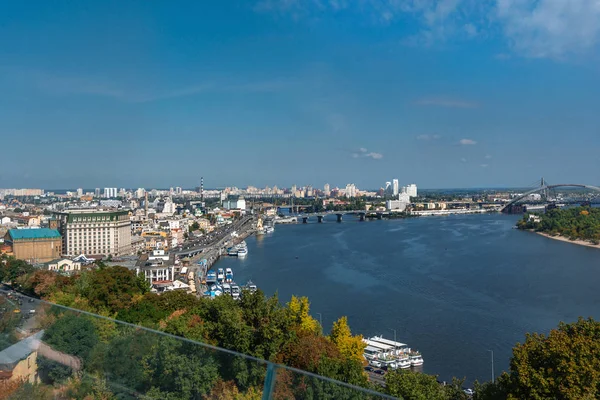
<point x="220" y="275"/>
<point x="242" y="252"/>
<point x="228" y="275"/>
<point x="269" y="229"/>
<point x="416" y="359"/>
<point x="251" y="287"/>
<point x="227" y="288"/>
<point x="211" y="277"/>
<point x="233" y="251"/>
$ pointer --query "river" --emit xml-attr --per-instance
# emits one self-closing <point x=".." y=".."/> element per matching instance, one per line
<point x="453" y="287"/>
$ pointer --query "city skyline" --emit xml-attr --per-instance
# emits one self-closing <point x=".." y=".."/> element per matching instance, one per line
<point x="267" y="92"/>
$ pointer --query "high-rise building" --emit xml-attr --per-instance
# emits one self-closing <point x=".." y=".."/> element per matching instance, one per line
<point x="395" y="187"/>
<point x="294" y="190"/>
<point x="95" y="232"/>
<point x="351" y="190"/>
<point x="79" y="192"/>
<point x="140" y="193"/>
<point x="388" y="187"/>
<point x="412" y="190"/>
<point x="109" y="193"/>
<point x="327" y="189"/>
<point x="97" y="192"/>
<point x="178" y="190"/>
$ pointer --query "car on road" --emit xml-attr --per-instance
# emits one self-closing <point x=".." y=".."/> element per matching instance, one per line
<point x="369" y="369"/>
<point x="380" y="372"/>
<point x="469" y="392"/>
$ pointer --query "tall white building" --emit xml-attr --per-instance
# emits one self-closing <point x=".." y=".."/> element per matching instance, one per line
<point x="178" y="190"/>
<point x="412" y="190"/>
<point x="351" y="190"/>
<point x="395" y="187"/>
<point x="327" y="189"/>
<point x="388" y="187"/>
<point x="140" y="193"/>
<point x="110" y="192"/>
<point x="79" y="192"/>
<point x="95" y="232"/>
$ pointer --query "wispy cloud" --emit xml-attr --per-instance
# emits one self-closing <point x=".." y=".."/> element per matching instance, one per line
<point x="484" y="165"/>
<point x="57" y="84"/>
<point x="463" y="160"/>
<point x="364" y="153"/>
<point x="488" y="157"/>
<point x="530" y="28"/>
<point x="467" y="142"/>
<point x="446" y="102"/>
<point x="428" y="137"/>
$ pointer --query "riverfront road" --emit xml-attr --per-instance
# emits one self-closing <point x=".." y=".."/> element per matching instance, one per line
<point x="213" y="245"/>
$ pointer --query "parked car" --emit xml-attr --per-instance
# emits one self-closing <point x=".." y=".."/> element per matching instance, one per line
<point x="369" y="369"/>
<point x="380" y="372"/>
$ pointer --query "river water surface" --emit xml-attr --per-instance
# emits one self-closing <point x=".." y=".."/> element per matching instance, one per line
<point x="453" y="287"/>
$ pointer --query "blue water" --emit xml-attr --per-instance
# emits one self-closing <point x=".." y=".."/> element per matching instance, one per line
<point x="453" y="287"/>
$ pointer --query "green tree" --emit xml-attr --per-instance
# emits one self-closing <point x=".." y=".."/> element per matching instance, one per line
<point x="72" y="335"/>
<point x="410" y="385"/>
<point x="194" y="226"/>
<point x="180" y="369"/>
<point x="565" y="364"/>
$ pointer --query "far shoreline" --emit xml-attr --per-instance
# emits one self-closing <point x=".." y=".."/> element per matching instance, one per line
<point x="567" y="240"/>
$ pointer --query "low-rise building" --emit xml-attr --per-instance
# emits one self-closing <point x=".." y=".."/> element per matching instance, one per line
<point x="64" y="265"/>
<point x="157" y="267"/>
<point x="34" y="245"/>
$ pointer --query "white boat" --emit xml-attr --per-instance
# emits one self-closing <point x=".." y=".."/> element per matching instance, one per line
<point x="403" y="363"/>
<point x="416" y="359"/>
<point x="269" y="229"/>
<point x="251" y="287"/>
<point x="226" y="288"/>
<point x="242" y="252"/>
<point x="233" y="251"/>
<point x="220" y="275"/>
<point x="228" y="275"/>
<point x="235" y="292"/>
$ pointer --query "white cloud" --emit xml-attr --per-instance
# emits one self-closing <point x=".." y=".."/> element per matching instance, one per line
<point x="446" y="102"/>
<point x="550" y="28"/>
<point x="428" y="137"/>
<point x="364" y="153"/>
<point x="484" y="165"/>
<point x="488" y="157"/>
<point x="531" y="28"/>
<point x="467" y="142"/>
<point x="463" y="160"/>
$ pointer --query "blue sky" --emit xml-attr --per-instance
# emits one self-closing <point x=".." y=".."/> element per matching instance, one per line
<point x="446" y="93"/>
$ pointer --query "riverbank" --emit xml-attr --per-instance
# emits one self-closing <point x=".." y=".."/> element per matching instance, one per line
<point x="566" y="239"/>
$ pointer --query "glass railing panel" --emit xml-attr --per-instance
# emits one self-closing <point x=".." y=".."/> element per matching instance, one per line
<point x="291" y="383"/>
<point x="46" y="349"/>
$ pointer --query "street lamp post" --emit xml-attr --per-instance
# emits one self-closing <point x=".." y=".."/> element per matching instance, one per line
<point x="395" y="350"/>
<point x="492" y="351"/>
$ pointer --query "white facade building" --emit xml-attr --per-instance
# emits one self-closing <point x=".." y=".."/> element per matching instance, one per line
<point x="235" y="204"/>
<point x="95" y="232"/>
<point x="351" y="190"/>
<point x="395" y="187"/>
<point x="110" y="192"/>
<point x="412" y="190"/>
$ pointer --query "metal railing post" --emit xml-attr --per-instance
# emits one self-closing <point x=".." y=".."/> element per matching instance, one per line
<point x="269" y="382"/>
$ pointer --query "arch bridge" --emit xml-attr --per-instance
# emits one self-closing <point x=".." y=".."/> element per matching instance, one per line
<point x="544" y="188"/>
